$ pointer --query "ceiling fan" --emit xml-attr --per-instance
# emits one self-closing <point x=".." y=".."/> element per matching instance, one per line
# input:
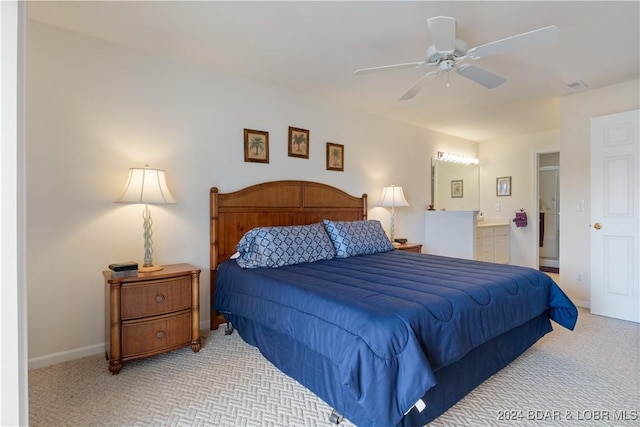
<point x="447" y="53"/>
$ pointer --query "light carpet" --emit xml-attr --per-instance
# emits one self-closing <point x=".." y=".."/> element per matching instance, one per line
<point x="588" y="377"/>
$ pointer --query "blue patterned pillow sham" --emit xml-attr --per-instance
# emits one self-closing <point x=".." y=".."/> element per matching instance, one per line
<point x="357" y="237"/>
<point x="278" y="246"/>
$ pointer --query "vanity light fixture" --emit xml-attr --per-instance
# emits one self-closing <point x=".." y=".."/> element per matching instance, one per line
<point x="456" y="158"/>
<point x="148" y="186"/>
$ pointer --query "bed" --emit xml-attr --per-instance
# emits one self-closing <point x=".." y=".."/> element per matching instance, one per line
<point x="385" y="337"/>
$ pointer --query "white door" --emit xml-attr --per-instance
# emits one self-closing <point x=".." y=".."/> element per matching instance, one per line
<point x="615" y="219"/>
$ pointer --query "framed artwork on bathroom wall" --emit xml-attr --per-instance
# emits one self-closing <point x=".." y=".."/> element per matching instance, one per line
<point x="503" y="186"/>
<point x="457" y="189"/>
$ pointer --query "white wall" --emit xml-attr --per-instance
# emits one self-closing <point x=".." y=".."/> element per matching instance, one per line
<point x="515" y="157"/>
<point x="576" y="112"/>
<point x="94" y="109"/>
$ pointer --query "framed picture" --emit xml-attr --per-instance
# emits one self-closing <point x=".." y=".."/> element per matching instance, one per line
<point x="503" y="186"/>
<point x="298" y="142"/>
<point x="256" y="146"/>
<point x="457" y="188"/>
<point x="335" y="157"/>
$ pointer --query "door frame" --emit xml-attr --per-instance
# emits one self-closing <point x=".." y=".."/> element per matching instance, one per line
<point x="535" y="202"/>
<point x="14" y="405"/>
<point x="557" y="170"/>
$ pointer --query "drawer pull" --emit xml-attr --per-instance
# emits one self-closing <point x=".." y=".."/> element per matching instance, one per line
<point x="160" y="298"/>
<point x="160" y="335"/>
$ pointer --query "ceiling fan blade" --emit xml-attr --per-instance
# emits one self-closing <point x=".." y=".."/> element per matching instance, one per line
<point x="388" y="67"/>
<point x="526" y="40"/>
<point x="417" y="86"/>
<point x="480" y="76"/>
<point x="443" y="33"/>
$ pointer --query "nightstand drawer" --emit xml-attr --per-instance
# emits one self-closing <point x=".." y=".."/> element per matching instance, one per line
<point x="152" y="336"/>
<point x="156" y="297"/>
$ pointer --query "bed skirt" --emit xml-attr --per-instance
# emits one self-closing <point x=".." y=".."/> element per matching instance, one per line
<point x="460" y="378"/>
<point x="453" y="381"/>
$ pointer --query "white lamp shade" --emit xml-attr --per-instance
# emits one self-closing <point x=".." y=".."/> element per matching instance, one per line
<point x="393" y="196"/>
<point x="146" y="185"/>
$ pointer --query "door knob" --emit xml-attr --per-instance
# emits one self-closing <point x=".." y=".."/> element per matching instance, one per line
<point x="597" y="226"/>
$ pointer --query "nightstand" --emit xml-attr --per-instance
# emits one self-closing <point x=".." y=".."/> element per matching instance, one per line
<point x="151" y="313"/>
<point x="411" y="247"/>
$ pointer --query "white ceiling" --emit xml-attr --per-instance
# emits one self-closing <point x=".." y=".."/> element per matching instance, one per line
<point x="314" y="47"/>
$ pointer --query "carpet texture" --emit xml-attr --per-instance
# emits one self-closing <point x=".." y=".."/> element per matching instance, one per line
<point x="588" y="377"/>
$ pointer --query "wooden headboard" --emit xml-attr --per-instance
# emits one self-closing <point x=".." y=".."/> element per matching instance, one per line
<point x="275" y="203"/>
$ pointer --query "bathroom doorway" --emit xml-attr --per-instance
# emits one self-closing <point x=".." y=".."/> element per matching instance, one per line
<point x="549" y="211"/>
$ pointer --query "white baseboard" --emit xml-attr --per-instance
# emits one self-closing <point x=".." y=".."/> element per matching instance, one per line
<point x="65" y="356"/>
<point x="77" y="353"/>
<point x="546" y="262"/>
<point x="204" y="325"/>
<point x="582" y="303"/>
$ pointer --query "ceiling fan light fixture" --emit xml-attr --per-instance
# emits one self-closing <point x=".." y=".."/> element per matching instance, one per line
<point x="434" y="56"/>
<point x="446" y="65"/>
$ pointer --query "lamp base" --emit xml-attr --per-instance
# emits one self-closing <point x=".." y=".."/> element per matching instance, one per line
<point x="150" y="268"/>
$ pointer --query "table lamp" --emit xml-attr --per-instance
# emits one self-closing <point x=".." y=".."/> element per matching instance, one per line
<point x="393" y="196"/>
<point x="148" y="186"/>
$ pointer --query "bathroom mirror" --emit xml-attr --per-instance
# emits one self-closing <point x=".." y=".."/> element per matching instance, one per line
<point x="455" y="186"/>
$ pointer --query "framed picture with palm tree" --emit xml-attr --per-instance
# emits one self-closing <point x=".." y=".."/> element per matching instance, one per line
<point x="298" y="142"/>
<point x="335" y="157"/>
<point x="256" y="146"/>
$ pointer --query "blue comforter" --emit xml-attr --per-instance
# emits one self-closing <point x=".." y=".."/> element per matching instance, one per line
<point x="388" y="321"/>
